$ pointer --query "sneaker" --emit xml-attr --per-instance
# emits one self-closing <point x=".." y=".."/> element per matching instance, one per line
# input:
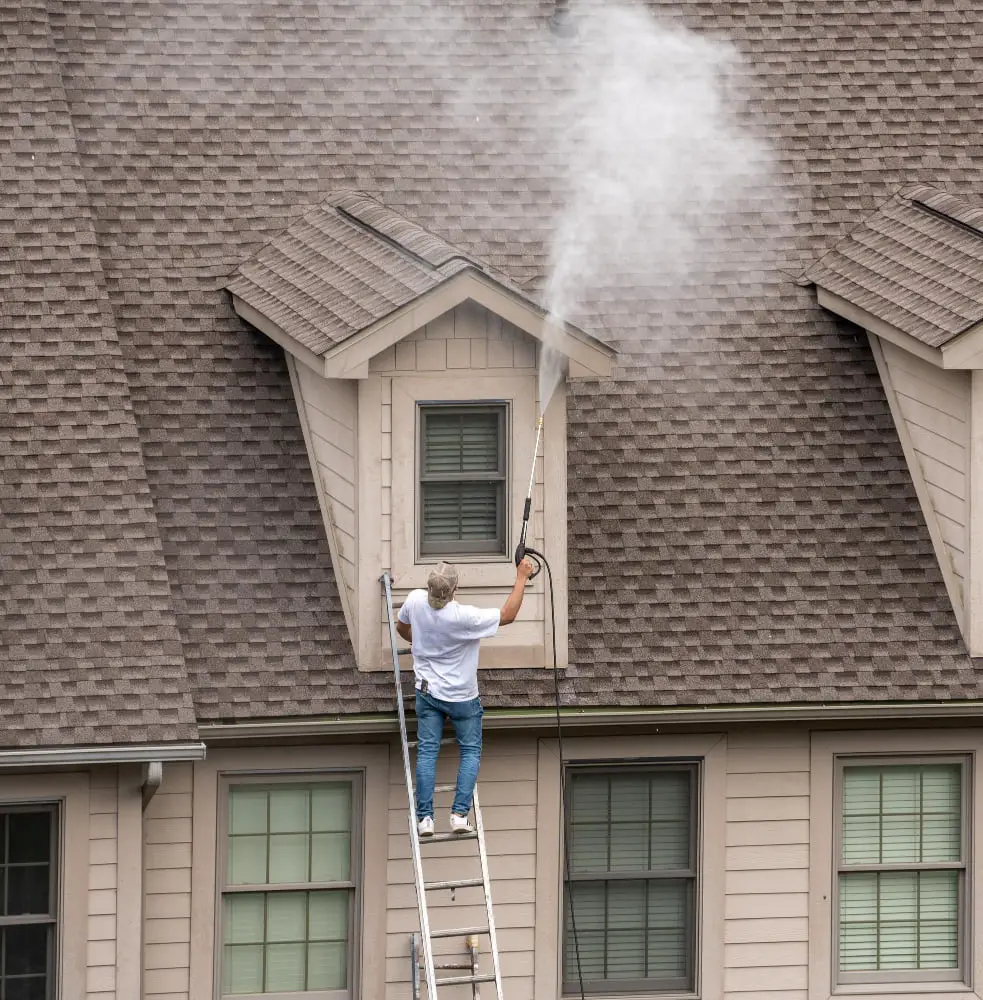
<point x="460" y="824"/>
<point x="424" y="827"/>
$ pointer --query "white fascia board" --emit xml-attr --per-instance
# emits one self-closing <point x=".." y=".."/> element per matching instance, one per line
<point x="350" y="358"/>
<point x="837" y="304"/>
<point x="75" y="756"/>
<point x="965" y="352"/>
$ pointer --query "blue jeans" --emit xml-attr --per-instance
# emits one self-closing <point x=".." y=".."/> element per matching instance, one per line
<point x="465" y="716"/>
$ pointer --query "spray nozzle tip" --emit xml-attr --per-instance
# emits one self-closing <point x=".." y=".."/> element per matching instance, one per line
<point x="539" y="422"/>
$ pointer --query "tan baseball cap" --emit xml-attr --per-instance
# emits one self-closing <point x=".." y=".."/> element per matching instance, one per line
<point x="441" y="585"/>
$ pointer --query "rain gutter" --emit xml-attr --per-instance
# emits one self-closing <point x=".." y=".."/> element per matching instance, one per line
<point x="75" y="756"/>
<point x="385" y="724"/>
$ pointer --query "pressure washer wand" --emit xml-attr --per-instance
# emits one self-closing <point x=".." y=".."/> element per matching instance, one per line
<point x="521" y="551"/>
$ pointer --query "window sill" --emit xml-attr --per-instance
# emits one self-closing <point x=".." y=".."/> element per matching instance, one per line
<point x="893" y="991"/>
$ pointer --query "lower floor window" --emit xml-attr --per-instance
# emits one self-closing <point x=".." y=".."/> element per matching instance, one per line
<point x="631" y="905"/>
<point x="902" y="871"/>
<point x="289" y="892"/>
<point x="28" y="922"/>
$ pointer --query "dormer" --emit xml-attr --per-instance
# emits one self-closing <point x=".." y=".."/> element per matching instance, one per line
<point x="911" y="275"/>
<point x="415" y="368"/>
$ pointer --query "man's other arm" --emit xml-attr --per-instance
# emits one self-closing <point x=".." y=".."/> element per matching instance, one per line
<point x="403" y="628"/>
<point x="514" y="601"/>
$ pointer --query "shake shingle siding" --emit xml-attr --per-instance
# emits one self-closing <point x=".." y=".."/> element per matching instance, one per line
<point x="742" y="525"/>
<point x="89" y="646"/>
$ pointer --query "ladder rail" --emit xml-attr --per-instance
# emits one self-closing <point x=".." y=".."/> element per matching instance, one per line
<point x="426" y="942"/>
<point x="483" y="857"/>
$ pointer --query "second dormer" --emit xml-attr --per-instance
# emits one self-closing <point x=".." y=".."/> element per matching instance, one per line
<point x="911" y="275"/>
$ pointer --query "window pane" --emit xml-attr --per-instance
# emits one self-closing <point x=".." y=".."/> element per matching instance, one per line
<point x="27" y="889"/>
<point x="28" y="988"/>
<point x="286" y="916"/>
<point x="247" y="860"/>
<point x="460" y="442"/>
<point x="290" y="810"/>
<point x="26" y="949"/>
<point x="286" y="967"/>
<point x="247" y="810"/>
<point x="331" y="857"/>
<point x="332" y="806"/>
<point x="899" y="920"/>
<point x="329" y="915"/>
<point x="244" y="917"/>
<point x="289" y="857"/>
<point x="327" y="966"/>
<point x="29" y="837"/>
<point x="901" y="814"/>
<point x="242" y="969"/>
<point x="461" y="512"/>
<point x="669" y="915"/>
<point x="625" y="938"/>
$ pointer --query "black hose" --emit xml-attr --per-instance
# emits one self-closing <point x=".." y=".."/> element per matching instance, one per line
<point x="563" y="777"/>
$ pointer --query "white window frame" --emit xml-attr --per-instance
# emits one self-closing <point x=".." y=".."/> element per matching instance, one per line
<point x="843" y="761"/>
<point x="860" y="747"/>
<point x="409" y="568"/>
<point x="711" y="751"/>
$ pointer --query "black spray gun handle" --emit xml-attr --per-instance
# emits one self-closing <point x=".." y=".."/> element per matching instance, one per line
<point x="522" y="550"/>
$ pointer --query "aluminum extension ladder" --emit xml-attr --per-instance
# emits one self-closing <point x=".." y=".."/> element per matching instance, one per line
<point x="421" y="946"/>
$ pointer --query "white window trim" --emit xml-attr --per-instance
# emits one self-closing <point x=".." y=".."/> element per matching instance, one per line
<point x="711" y="750"/>
<point x="916" y="744"/>
<point x="70" y="792"/>
<point x="408" y="568"/>
<point x="225" y="766"/>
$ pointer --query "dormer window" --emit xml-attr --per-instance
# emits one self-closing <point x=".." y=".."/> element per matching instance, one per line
<point x="463" y="473"/>
<point x="415" y="368"/>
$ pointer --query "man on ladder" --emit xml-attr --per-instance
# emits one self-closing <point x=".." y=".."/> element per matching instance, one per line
<point x="445" y="637"/>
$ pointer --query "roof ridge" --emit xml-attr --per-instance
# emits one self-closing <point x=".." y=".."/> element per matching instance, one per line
<point x="948" y="207"/>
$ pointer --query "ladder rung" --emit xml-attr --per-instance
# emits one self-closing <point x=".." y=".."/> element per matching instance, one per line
<point x="485" y="977"/>
<point x="403" y="652"/>
<point x="445" y="788"/>
<point x="439" y="838"/>
<point x="459" y="932"/>
<point x="412" y="744"/>
<point x="460" y="883"/>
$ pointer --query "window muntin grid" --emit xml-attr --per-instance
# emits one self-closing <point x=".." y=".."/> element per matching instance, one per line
<point x="902" y="845"/>
<point x="289" y="895"/>
<point x="632" y="837"/>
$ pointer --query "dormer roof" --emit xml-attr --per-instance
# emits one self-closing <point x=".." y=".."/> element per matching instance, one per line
<point x="916" y="264"/>
<point x="352" y="277"/>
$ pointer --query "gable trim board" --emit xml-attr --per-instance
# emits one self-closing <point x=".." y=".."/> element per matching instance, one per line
<point x="928" y="493"/>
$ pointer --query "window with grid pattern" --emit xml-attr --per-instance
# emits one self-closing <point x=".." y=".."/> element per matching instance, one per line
<point x="631" y="837"/>
<point x="289" y="891"/>
<point x="29" y="919"/>
<point x="463" y="476"/>
<point x="902" y="871"/>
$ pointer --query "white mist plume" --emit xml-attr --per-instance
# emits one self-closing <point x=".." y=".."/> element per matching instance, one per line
<point x="651" y="153"/>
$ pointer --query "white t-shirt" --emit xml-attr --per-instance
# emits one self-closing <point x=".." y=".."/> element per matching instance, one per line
<point x="445" y="644"/>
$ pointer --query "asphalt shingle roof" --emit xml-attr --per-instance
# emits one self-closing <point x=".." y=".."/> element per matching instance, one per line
<point x="742" y="524"/>
<point x="916" y="263"/>
<point x="89" y="645"/>
<point x="344" y="265"/>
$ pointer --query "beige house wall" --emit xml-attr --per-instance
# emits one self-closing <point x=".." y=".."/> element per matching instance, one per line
<point x="931" y="409"/>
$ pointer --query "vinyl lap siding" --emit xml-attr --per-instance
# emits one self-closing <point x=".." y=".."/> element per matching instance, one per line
<point x="167" y="886"/>
<point x="103" y="857"/>
<point x="767" y="837"/>
<point x="331" y="407"/>
<point x="507" y="788"/>
<point x="935" y="406"/>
